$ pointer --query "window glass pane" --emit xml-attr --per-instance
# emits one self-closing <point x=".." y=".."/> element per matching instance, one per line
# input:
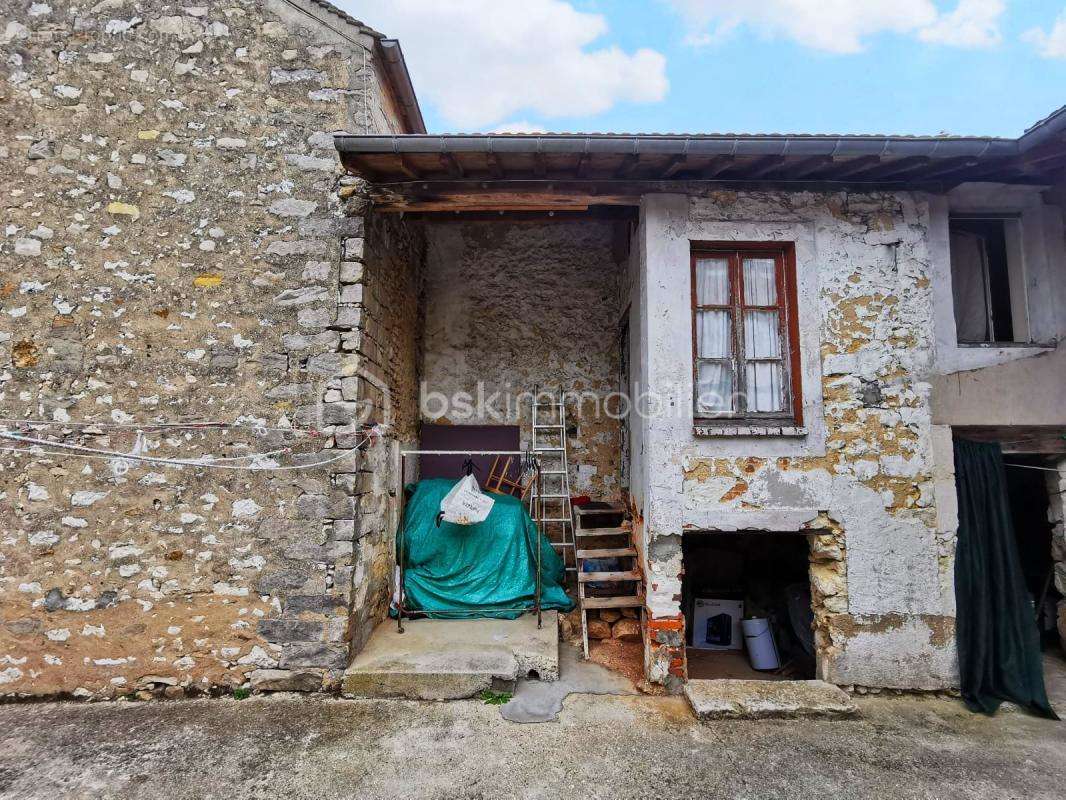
<point x="760" y="286"/>
<point x="764" y="387"/>
<point x="762" y="336"/>
<point x="714" y="388"/>
<point x="712" y="282"/>
<point x="714" y="334"/>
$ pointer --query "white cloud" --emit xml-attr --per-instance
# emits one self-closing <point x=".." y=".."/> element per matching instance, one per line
<point x="480" y="61"/>
<point x="973" y="23"/>
<point x="1049" y="45"/>
<point x="842" y="26"/>
<point x="838" y="26"/>
<point x="519" y="126"/>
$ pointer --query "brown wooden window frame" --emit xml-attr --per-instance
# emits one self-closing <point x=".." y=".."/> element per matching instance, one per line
<point x="784" y="255"/>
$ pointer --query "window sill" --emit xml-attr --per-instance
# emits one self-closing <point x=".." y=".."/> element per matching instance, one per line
<point x="1006" y="345"/>
<point x="775" y="431"/>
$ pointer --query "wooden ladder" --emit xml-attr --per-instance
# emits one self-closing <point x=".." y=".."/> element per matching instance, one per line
<point x="595" y="541"/>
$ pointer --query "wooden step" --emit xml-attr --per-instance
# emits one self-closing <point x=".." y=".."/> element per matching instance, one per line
<point x="608" y="577"/>
<point x="629" y="601"/>
<point x="607" y="552"/>
<point x="602" y="531"/>
<point x="584" y="510"/>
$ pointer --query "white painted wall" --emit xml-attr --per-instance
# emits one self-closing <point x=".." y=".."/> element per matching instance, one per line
<point x="865" y="314"/>
<point x="1043" y="265"/>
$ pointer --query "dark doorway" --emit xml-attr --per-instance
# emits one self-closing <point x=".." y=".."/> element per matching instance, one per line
<point x="732" y="580"/>
<point x="1028" y="495"/>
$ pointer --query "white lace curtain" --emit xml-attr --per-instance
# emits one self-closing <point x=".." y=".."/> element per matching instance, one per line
<point x="763" y="380"/>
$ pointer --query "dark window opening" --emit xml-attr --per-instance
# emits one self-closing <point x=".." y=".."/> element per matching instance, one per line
<point x="980" y="279"/>
<point x="731" y="581"/>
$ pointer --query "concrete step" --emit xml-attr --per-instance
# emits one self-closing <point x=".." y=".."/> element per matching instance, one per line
<point x="740" y="699"/>
<point x="448" y="659"/>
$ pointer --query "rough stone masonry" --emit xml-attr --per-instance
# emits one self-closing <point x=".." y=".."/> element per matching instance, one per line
<point x="175" y="248"/>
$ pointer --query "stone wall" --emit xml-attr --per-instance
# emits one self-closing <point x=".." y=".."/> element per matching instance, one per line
<point x="512" y="305"/>
<point x="859" y="478"/>
<point x="1056" y="487"/>
<point x="172" y="251"/>
<point x="387" y="302"/>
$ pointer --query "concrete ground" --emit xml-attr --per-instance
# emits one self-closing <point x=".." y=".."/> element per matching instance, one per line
<point x="600" y="747"/>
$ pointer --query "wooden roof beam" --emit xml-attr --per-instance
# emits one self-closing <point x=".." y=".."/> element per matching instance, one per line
<point x="951" y="166"/>
<point x="716" y="167"/>
<point x="406" y="168"/>
<point x="677" y="163"/>
<point x="628" y="165"/>
<point x="495" y="165"/>
<point x="766" y="165"/>
<point x="894" y="169"/>
<point x="582" y="165"/>
<point x="808" y="166"/>
<point x="540" y="168"/>
<point x="852" y="166"/>
<point x="452" y="165"/>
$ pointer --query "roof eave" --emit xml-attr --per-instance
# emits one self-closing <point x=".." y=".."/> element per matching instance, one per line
<point x="399" y="79"/>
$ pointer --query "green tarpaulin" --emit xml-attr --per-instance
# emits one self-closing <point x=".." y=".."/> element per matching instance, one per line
<point x="996" y="633"/>
<point x="482" y="570"/>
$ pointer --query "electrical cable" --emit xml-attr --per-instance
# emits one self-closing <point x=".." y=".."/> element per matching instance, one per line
<point x="115" y="456"/>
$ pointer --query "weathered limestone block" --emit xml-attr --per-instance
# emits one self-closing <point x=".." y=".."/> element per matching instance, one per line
<point x="325" y="656"/>
<point x="290" y="630"/>
<point x="283" y="680"/>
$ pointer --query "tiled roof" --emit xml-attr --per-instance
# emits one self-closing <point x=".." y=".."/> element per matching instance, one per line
<point x="323" y="4"/>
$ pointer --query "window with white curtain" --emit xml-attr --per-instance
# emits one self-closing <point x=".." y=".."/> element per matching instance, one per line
<point x="744" y="333"/>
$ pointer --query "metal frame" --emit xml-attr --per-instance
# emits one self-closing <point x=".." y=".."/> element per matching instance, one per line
<point x="401" y="562"/>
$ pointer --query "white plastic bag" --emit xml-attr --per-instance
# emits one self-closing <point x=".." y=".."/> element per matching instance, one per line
<point x="465" y="504"/>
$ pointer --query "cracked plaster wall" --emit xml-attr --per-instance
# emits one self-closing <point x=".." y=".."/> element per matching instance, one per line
<point x="861" y="477"/>
<point x="174" y="248"/>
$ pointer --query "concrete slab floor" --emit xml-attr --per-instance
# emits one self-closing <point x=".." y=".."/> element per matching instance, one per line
<point x="608" y="747"/>
<point x="441" y="659"/>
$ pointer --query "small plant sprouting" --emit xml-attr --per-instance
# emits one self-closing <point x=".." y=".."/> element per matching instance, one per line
<point x="491" y="698"/>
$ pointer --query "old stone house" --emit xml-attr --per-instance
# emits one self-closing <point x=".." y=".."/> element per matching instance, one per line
<point x="802" y="323"/>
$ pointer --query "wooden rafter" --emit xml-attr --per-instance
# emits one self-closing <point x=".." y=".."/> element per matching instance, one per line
<point x="809" y="166"/>
<point x="629" y="164"/>
<point x="452" y="165"/>
<point x="495" y="166"/>
<point x="765" y="166"/>
<point x="405" y="167"/>
<point x="540" y="168"/>
<point x="677" y="163"/>
<point x="951" y="166"/>
<point x="717" y="166"/>
<point x="853" y="166"/>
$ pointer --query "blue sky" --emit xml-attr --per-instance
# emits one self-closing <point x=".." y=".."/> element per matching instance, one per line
<point x="989" y="67"/>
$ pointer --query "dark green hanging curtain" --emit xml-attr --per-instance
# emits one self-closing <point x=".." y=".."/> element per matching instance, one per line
<point x="998" y="641"/>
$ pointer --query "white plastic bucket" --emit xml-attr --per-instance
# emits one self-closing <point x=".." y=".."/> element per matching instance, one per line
<point x="759" y="639"/>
